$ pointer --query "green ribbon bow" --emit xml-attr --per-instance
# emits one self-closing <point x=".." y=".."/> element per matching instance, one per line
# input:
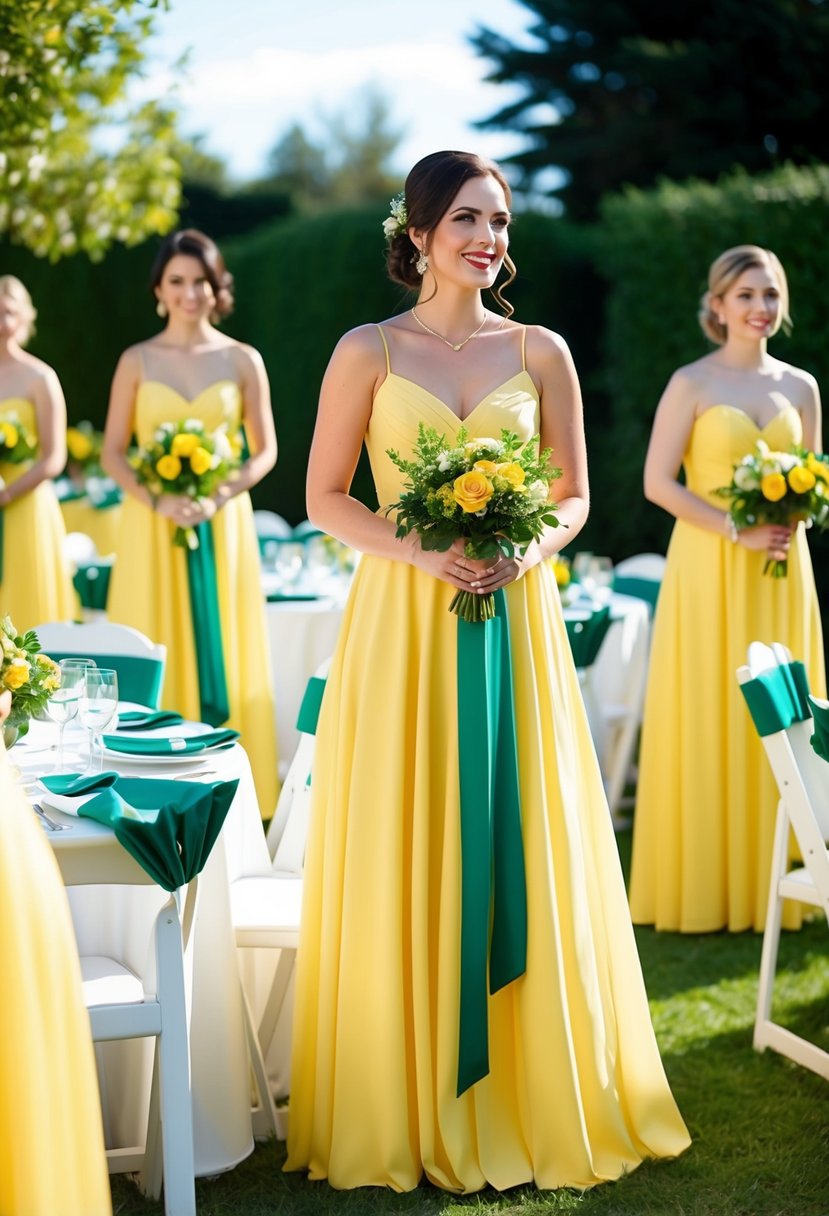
<point x="214" y="703"/>
<point x="169" y="827"/>
<point x="778" y="697"/>
<point x="493" y="881"/>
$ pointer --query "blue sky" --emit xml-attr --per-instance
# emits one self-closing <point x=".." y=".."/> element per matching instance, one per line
<point x="257" y="66"/>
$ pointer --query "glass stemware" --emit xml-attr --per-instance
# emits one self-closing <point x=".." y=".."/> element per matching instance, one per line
<point x="77" y="664"/>
<point x="64" y="703"/>
<point x="98" y="706"/>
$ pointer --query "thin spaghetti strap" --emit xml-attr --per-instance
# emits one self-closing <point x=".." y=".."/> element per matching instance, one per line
<point x="386" y="349"/>
<point x="523" y="348"/>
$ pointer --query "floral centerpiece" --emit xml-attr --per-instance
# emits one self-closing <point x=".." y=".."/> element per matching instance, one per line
<point x="771" y="487"/>
<point x="492" y="493"/>
<point x="186" y="458"/>
<point x="31" y="676"/>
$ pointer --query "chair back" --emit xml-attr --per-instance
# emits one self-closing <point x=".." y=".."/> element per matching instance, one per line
<point x="79" y="548"/>
<point x="138" y="661"/>
<point x="640" y="576"/>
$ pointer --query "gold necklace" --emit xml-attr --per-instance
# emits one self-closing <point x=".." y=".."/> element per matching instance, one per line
<point x="454" y="345"/>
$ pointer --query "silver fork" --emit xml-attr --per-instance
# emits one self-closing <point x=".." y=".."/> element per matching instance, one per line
<point x="52" y="824"/>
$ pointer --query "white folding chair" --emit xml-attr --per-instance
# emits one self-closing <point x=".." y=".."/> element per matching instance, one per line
<point x="138" y="660"/>
<point x="270" y="526"/>
<point x="265" y="908"/>
<point x="803" y="784"/>
<point x="640" y="576"/>
<point x="123" y="1005"/>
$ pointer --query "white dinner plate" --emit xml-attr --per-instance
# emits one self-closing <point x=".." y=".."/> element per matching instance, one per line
<point x="182" y="729"/>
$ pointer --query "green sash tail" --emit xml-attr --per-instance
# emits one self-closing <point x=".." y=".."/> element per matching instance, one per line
<point x="778" y="697"/>
<point x="214" y="704"/>
<point x="493" y="881"/>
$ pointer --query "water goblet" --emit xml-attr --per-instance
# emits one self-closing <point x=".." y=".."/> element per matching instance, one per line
<point x="601" y="573"/>
<point x="64" y="703"/>
<point x="77" y="664"/>
<point x="98" y="706"/>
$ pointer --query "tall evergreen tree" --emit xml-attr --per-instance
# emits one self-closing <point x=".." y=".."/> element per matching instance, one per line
<point x="623" y="91"/>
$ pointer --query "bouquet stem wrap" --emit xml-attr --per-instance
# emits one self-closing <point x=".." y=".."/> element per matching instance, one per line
<point x="207" y="628"/>
<point x="493" y="880"/>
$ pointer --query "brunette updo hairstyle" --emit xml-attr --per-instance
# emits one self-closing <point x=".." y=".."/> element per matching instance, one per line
<point x="191" y="243"/>
<point x="724" y="273"/>
<point x="430" y="188"/>
<point x="14" y="289"/>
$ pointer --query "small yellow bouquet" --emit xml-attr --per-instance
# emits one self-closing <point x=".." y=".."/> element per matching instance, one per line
<point x="31" y="676"/>
<point x="771" y="487"/>
<point x="16" y="441"/>
<point x="185" y="458"/>
<point x="492" y="493"/>
<point x="83" y="447"/>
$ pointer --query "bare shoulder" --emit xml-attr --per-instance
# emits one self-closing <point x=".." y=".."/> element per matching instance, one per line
<point x="690" y="383"/>
<point x="362" y="346"/>
<point x="801" y="385"/>
<point x="545" y="348"/>
<point x="38" y="375"/>
<point x="246" y="358"/>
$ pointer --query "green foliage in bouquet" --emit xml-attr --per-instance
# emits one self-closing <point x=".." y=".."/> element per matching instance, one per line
<point x="185" y="458"/>
<point x="16" y="441"/>
<point x="26" y="672"/>
<point x="494" y="494"/>
<point x="771" y="487"/>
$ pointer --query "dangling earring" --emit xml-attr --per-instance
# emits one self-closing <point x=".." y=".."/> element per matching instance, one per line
<point x="161" y="308"/>
<point x="422" y="262"/>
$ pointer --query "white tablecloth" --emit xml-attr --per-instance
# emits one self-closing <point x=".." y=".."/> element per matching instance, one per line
<point x="118" y="921"/>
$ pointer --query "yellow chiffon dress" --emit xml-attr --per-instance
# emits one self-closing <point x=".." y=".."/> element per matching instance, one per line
<point x="51" y="1138"/>
<point x="36" y="584"/>
<point x="576" y="1092"/>
<point x="706" y="800"/>
<point x="150" y="591"/>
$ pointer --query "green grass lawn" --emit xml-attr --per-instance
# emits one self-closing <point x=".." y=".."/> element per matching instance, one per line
<point x="760" y="1124"/>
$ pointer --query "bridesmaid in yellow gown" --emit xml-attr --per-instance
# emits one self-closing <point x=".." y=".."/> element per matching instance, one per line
<point x="706" y="801"/>
<point x="574" y="1092"/>
<point x="191" y="370"/>
<point x="51" y="1139"/>
<point x="35" y="582"/>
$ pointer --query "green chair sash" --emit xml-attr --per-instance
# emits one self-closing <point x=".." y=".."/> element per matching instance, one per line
<point x="91" y="581"/>
<point x="139" y="678"/>
<point x="778" y="697"/>
<point x="309" y="710"/>
<point x="646" y="589"/>
<point x="493" y="881"/>
<point x="214" y="704"/>
<point x="169" y="827"/>
<point x="820" y="735"/>
<point x="586" y="635"/>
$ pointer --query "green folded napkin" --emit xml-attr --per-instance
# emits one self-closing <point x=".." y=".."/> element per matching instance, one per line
<point x="586" y="635"/>
<point x="74" y="784"/>
<point x="169" y="827"/>
<point x="148" y="719"/>
<point x="820" y="735"/>
<point x="173" y="746"/>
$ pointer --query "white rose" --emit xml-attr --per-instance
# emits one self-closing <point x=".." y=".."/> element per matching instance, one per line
<point x="390" y="226"/>
<point x="444" y="462"/>
<point x="745" y="477"/>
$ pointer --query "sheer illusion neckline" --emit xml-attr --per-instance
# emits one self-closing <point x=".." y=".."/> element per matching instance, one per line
<point x="183" y="396"/>
<point x="737" y="410"/>
<point x="390" y="375"/>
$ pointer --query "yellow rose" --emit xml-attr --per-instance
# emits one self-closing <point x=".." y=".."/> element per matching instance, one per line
<point x="168" y="467"/>
<point x="512" y="472"/>
<point x="17" y="674"/>
<point x="488" y="467"/>
<point x="562" y="572"/>
<point x="78" y="443"/>
<point x="818" y="468"/>
<point x="472" y="491"/>
<point x="9" y="433"/>
<point x="200" y="461"/>
<point x="801" y="480"/>
<point x="184" y="444"/>
<point x="773" y="486"/>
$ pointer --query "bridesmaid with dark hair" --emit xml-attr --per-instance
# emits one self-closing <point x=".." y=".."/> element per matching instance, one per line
<point x="192" y="371"/>
<point x="417" y="1052"/>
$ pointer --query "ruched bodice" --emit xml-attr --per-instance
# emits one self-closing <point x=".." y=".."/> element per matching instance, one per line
<point x="217" y="404"/>
<point x="400" y="405"/>
<point x="722" y="435"/>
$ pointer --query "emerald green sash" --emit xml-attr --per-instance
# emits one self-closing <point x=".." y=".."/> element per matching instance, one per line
<point x="646" y="589"/>
<point x="586" y="635"/>
<point x="214" y="705"/>
<point x="139" y="679"/>
<point x="820" y="735"/>
<point x="778" y="697"/>
<point x="493" y="882"/>
<point x="309" y="710"/>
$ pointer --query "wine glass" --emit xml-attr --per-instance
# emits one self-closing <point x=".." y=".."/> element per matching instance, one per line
<point x="288" y="562"/>
<point x="64" y="703"/>
<point x="98" y="705"/>
<point x="76" y="664"/>
<point x="601" y="573"/>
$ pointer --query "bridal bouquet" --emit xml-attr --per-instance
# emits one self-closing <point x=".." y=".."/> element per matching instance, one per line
<point x="492" y="493"/>
<point x="185" y="458"/>
<point x="83" y="447"/>
<point x="778" y="488"/>
<point x="26" y="672"/>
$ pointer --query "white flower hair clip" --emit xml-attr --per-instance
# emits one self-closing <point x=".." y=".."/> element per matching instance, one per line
<point x="398" y="219"/>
